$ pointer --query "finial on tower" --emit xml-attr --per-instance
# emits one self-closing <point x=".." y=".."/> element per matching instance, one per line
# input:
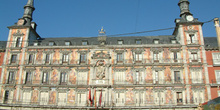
<point x="184" y="8"/>
<point x="28" y="11"/>
<point x="102" y="37"/>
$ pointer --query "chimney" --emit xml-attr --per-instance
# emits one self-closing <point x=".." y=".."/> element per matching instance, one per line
<point x="216" y="21"/>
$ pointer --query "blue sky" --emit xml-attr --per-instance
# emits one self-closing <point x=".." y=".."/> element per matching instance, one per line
<point x="83" y="18"/>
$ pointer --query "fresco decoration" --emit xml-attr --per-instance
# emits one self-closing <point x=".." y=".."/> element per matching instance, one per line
<point x="54" y="77"/>
<point x="100" y="69"/>
<point x="149" y="95"/>
<point x="14" y="96"/>
<point x="129" y="76"/>
<point x="129" y="56"/>
<point x="129" y="100"/>
<point x="71" y="97"/>
<point x="166" y="55"/>
<point x="191" y="96"/>
<point x="56" y="57"/>
<point x="72" y="76"/>
<point x="169" y="96"/>
<point x="73" y="57"/>
<point x="168" y="78"/>
<point x="149" y="75"/>
<point x="37" y="76"/>
<point x="39" y="57"/>
<point x="34" y="98"/>
<point x="53" y="97"/>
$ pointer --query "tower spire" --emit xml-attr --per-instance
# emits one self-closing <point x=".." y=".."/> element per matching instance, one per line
<point x="184" y="8"/>
<point x="28" y="11"/>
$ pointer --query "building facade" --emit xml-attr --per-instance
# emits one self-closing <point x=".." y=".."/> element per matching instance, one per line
<point x="137" y="72"/>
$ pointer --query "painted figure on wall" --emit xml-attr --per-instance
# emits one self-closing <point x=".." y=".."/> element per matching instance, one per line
<point x="149" y="76"/>
<point x="149" y="95"/>
<point x="34" y="98"/>
<point x="169" y="97"/>
<point x="129" y="97"/>
<point x="72" y="77"/>
<point x="129" y="76"/>
<point x="54" y="77"/>
<point x="39" y="57"/>
<point x="71" y="97"/>
<point x="37" y="78"/>
<point x="56" y="57"/>
<point x="100" y="69"/>
<point x="168" y="75"/>
<point x="53" y="97"/>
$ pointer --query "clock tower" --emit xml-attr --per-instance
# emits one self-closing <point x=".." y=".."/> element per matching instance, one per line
<point x="184" y="10"/>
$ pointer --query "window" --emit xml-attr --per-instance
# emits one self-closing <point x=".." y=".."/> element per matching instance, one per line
<point x="137" y="77"/>
<point x="156" y="57"/>
<point x="156" y="76"/>
<point x="45" y="78"/>
<point x="173" y="41"/>
<point x="82" y="58"/>
<point x="191" y="37"/>
<point x="194" y="57"/>
<point x="120" y="42"/>
<point x="177" y="76"/>
<point x="175" y="56"/>
<point x="216" y="59"/>
<point x="65" y="58"/>
<point x="138" y="41"/>
<point x="138" y="57"/>
<point x="28" y="78"/>
<point x="196" y="77"/>
<point x="11" y="77"/>
<point x="63" y="78"/>
<point x="179" y="97"/>
<point x="18" y="42"/>
<point x="67" y="43"/>
<point x="30" y="60"/>
<point x="156" y="41"/>
<point x="47" y="60"/>
<point x="6" y="96"/>
<point x="119" y="57"/>
<point x="51" y="43"/>
<point x="84" y="43"/>
<point x="217" y="76"/>
<point x="35" y="44"/>
<point x="13" y="58"/>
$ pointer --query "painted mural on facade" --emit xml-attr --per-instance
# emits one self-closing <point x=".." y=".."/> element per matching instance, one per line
<point x="169" y="96"/>
<point x="71" y="97"/>
<point x="149" y="95"/>
<point x="72" y="76"/>
<point x="39" y="57"/>
<point x="167" y="73"/>
<point x="56" y="57"/>
<point x="37" y="76"/>
<point x="129" y="76"/>
<point x="129" y="97"/>
<point x="53" y="97"/>
<point x="35" y="96"/>
<point x="149" y="75"/>
<point x="54" y="77"/>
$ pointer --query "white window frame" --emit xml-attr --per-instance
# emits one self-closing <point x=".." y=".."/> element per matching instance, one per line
<point x="216" y="59"/>
<point x="120" y="42"/>
<point x="67" y="43"/>
<point x="217" y="76"/>
<point x="138" y="57"/>
<point x="196" y="76"/>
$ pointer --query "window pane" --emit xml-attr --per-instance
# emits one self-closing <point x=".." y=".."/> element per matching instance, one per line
<point x="18" y="42"/>
<point x="13" y="58"/>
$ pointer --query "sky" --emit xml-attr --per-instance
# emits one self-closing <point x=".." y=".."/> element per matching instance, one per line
<point x="83" y="18"/>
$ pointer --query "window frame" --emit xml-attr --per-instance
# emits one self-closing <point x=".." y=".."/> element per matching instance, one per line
<point x="11" y="77"/>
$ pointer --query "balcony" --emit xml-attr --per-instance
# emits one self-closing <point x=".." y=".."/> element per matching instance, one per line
<point x="149" y="61"/>
<point x="197" y="61"/>
<point x="12" y="62"/>
<point x="192" y="42"/>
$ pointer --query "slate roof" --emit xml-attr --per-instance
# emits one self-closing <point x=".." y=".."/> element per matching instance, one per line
<point x="211" y="42"/>
<point x="3" y="44"/>
<point x="109" y="41"/>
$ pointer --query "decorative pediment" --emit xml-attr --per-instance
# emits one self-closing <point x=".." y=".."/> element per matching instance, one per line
<point x="193" y="50"/>
<point x="48" y="51"/>
<point x="18" y="33"/>
<point x="156" y="50"/>
<point x="138" y="50"/>
<point x="119" y="69"/>
<point x="101" y="55"/>
<point x="65" y="51"/>
<point x="158" y="68"/>
<point x="120" y="51"/>
<point x="138" y="69"/>
<point x="176" y="68"/>
<point x="175" y="49"/>
<point x="30" y="69"/>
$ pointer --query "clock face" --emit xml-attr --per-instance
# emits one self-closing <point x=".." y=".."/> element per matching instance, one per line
<point x="189" y="18"/>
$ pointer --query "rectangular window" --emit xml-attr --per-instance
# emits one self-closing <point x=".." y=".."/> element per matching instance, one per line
<point x="120" y="42"/>
<point x="63" y="78"/>
<point x="28" y="78"/>
<point x="6" y="97"/>
<point x="45" y="78"/>
<point x="82" y="58"/>
<point x="65" y="58"/>
<point x="138" y="41"/>
<point x="35" y="44"/>
<point x="67" y="43"/>
<point x="191" y="36"/>
<point x="30" y="60"/>
<point x="119" y="57"/>
<point x="179" y="98"/>
<point x="84" y="43"/>
<point x="18" y="42"/>
<point x="13" y="58"/>
<point x="11" y="77"/>
<point x="194" y="57"/>
<point x="196" y="77"/>
<point x="137" y="77"/>
<point x="175" y="56"/>
<point x="156" y="57"/>
<point x="216" y="59"/>
<point x="138" y="57"/>
<point x="177" y="77"/>
<point x="173" y="41"/>
<point x="47" y="60"/>
<point x="156" y="41"/>
<point x="51" y="43"/>
<point x="217" y="76"/>
<point x="157" y="76"/>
